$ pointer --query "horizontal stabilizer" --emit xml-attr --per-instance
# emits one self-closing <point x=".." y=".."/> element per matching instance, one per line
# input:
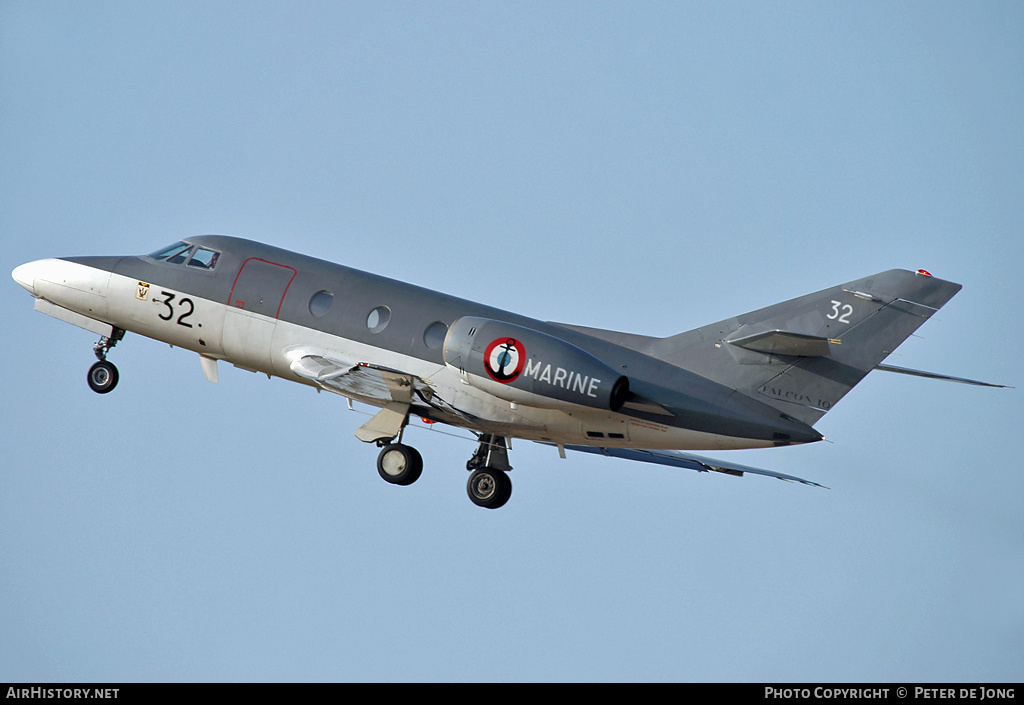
<point x="935" y="375"/>
<point x="674" y="458"/>
<point x="780" y="342"/>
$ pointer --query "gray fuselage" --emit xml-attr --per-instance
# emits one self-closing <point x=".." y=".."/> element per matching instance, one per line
<point x="265" y="308"/>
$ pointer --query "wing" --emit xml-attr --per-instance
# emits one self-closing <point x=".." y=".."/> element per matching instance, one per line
<point x="357" y="380"/>
<point x="678" y="459"/>
<point x="374" y="384"/>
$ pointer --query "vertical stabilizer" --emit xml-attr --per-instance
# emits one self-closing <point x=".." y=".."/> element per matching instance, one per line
<point x="804" y="355"/>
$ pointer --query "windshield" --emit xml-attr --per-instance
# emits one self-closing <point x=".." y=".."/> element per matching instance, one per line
<point x="182" y="252"/>
<point x="176" y="253"/>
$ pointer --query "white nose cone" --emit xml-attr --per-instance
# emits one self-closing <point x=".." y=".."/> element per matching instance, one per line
<point x="47" y="269"/>
<point x="26" y="274"/>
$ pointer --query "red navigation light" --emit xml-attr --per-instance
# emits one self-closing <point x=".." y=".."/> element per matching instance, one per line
<point x="424" y="419"/>
<point x="924" y="272"/>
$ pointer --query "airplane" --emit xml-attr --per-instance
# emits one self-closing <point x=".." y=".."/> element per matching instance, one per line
<point x="758" y="380"/>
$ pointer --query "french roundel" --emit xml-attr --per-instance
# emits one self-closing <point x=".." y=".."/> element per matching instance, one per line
<point x="504" y="359"/>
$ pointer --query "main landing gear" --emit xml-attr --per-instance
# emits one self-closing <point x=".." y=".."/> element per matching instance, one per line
<point x="489" y="486"/>
<point x="103" y="375"/>
<point x="399" y="464"/>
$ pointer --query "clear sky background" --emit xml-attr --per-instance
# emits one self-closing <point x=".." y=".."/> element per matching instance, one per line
<point x="647" y="167"/>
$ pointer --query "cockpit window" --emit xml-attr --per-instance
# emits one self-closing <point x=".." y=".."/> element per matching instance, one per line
<point x="179" y="257"/>
<point x="204" y="258"/>
<point x="182" y="252"/>
<point x="175" y="254"/>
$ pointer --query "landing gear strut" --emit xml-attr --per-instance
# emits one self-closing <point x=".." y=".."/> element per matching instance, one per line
<point x="489" y="486"/>
<point x="103" y="375"/>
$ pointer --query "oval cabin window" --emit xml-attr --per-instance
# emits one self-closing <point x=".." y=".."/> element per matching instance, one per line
<point x="378" y="319"/>
<point x="433" y="336"/>
<point x="320" y="303"/>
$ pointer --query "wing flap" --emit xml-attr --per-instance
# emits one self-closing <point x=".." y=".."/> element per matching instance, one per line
<point x="319" y="368"/>
<point x="359" y="380"/>
<point x="373" y="384"/>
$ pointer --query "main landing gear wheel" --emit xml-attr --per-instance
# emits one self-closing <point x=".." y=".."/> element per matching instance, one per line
<point x="400" y="464"/>
<point x="102" y="377"/>
<point x="489" y="488"/>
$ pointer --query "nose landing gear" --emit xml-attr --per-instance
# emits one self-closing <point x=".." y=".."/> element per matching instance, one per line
<point x="103" y="375"/>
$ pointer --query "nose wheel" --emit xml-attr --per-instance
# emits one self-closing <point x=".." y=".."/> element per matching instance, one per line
<point x="103" y="375"/>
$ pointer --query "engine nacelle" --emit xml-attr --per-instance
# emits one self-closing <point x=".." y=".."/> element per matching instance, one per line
<point x="525" y="366"/>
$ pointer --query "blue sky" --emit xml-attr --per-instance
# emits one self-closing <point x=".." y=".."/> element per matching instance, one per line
<point x="646" y="167"/>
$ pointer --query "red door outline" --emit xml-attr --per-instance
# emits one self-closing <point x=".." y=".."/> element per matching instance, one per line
<point x="241" y="304"/>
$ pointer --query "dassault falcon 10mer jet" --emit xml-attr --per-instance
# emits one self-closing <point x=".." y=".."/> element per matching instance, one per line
<point x="754" y="381"/>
